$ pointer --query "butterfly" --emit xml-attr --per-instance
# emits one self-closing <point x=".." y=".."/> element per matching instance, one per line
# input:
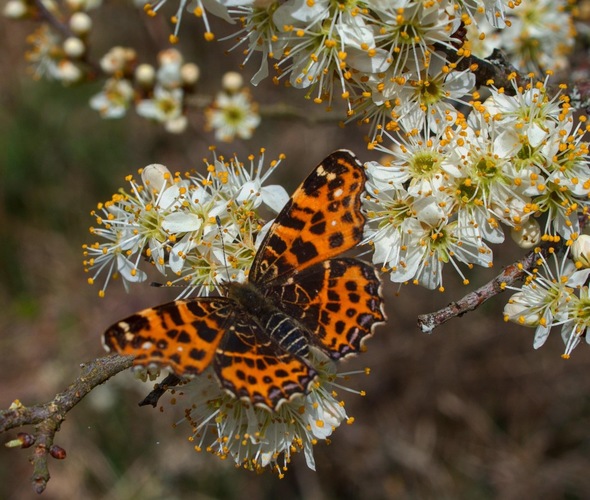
<point x="298" y="295"/>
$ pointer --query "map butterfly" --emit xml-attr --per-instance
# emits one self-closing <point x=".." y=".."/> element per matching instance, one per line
<point x="298" y="294"/>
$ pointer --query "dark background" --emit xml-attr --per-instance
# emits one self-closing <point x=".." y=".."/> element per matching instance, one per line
<point x="471" y="411"/>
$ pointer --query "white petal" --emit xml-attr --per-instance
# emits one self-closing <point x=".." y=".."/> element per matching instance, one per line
<point x="181" y="222"/>
<point x="275" y="197"/>
<point x="129" y="271"/>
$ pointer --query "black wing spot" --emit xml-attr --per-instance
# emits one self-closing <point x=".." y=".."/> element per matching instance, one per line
<point x="172" y="311"/>
<point x="336" y="240"/>
<point x="207" y="333"/>
<point x="334" y="206"/>
<point x="293" y="222"/>
<point x="347" y="218"/>
<point x="303" y="250"/>
<point x="184" y="338"/>
<point x="318" y="228"/>
<point x="197" y="354"/>
<point x="333" y="306"/>
<point x="277" y="244"/>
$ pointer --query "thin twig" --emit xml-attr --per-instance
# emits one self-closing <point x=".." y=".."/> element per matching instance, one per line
<point x="46" y="14"/>
<point x="428" y="322"/>
<point x="47" y="417"/>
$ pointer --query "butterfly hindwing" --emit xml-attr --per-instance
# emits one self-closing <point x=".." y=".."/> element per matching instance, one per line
<point x="338" y="301"/>
<point x="251" y="366"/>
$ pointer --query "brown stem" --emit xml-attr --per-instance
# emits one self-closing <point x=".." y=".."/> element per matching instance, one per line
<point x="46" y="14"/>
<point x="428" y="322"/>
<point x="47" y="417"/>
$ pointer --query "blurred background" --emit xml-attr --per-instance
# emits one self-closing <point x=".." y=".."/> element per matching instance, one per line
<point x="471" y="411"/>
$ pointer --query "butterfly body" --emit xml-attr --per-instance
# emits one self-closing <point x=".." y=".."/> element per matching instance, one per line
<point x="299" y="295"/>
<point x="278" y="327"/>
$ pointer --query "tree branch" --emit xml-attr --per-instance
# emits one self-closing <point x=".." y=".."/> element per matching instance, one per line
<point x="47" y="417"/>
<point x="428" y="322"/>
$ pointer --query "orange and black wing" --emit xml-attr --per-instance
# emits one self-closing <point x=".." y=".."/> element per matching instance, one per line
<point x="339" y="301"/>
<point x="321" y="220"/>
<point x="253" y="367"/>
<point x="182" y="335"/>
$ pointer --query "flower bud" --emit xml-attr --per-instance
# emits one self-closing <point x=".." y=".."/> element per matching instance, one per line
<point x="117" y="59"/>
<point x="518" y="310"/>
<point x="581" y="250"/>
<point x="529" y="234"/>
<point x="232" y="81"/>
<point x="80" y="23"/>
<point x="68" y="72"/>
<point x="190" y="73"/>
<point x="57" y="452"/>
<point x="74" y="47"/>
<point x="155" y="176"/>
<point x="145" y="75"/>
<point x="15" y="9"/>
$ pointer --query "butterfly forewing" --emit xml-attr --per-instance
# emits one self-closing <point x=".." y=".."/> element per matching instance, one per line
<point x="183" y="334"/>
<point x="321" y="220"/>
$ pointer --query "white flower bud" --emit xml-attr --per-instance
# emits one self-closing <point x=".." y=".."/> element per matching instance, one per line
<point x="80" y="23"/>
<point x="176" y="126"/>
<point x="15" y="9"/>
<point x="74" y="47"/>
<point x="68" y="72"/>
<point x="518" y="310"/>
<point x="232" y="81"/>
<point x="169" y="56"/>
<point x="581" y="250"/>
<point x="145" y="75"/>
<point x="155" y="176"/>
<point x="190" y="73"/>
<point x="529" y="234"/>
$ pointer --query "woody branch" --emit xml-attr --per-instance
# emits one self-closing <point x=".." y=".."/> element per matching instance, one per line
<point x="48" y="417"/>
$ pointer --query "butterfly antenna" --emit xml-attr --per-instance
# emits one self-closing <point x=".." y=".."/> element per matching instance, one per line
<point x="218" y="220"/>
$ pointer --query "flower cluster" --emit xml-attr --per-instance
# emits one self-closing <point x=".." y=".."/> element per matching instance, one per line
<point x="57" y="54"/>
<point x="514" y="161"/>
<point x="255" y="438"/>
<point x="555" y="294"/>
<point x="376" y="54"/>
<point x="193" y="229"/>
<point x="199" y="229"/>
<point x="59" y="51"/>
<point x="232" y="113"/>
<point x="540" y="35"/>
<point x="159" y="94"/>
<point x="385" y="61"/>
